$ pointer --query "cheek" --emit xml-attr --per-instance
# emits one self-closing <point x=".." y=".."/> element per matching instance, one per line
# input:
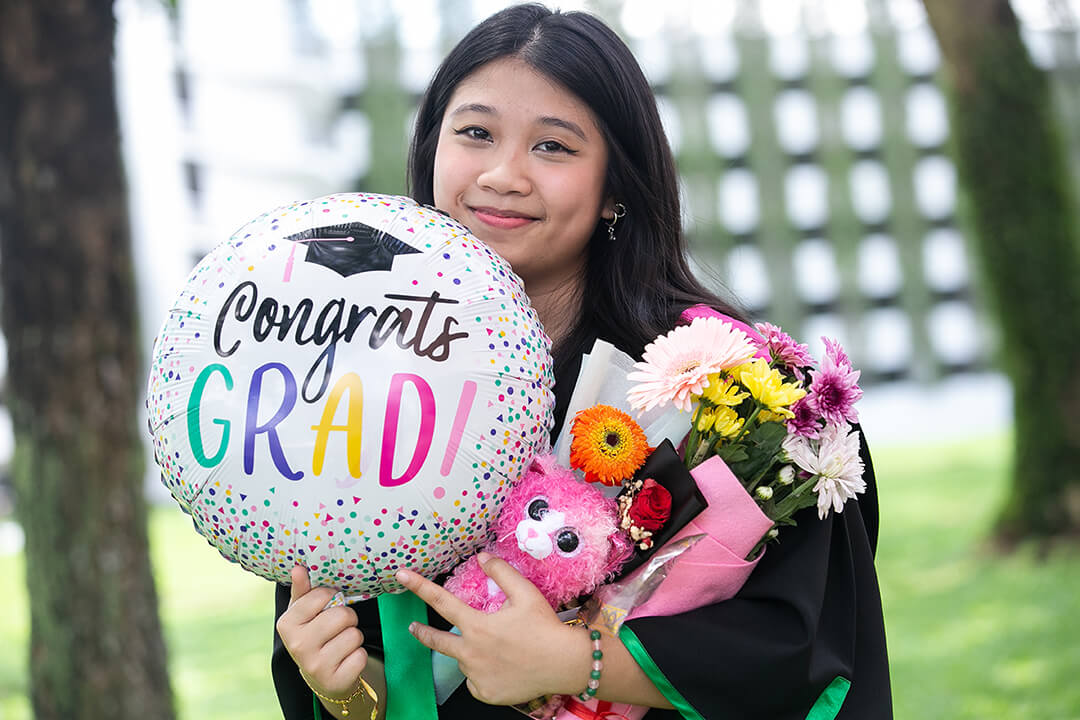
<point x="505" y="525"/>
<point x="440" y="181"/>
<point x="451" y="171"/>
<point x="580" y="198"/>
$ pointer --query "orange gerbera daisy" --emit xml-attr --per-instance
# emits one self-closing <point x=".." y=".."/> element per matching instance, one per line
<point x="608" y="446"/>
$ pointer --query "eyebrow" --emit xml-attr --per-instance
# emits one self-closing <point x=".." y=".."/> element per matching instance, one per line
<point x="474" y="107"/>
<point x="544" y="120"/>
<point x="565" y="124"/>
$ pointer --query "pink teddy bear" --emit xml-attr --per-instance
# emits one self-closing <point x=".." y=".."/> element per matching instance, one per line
<point x="558" y="532"/>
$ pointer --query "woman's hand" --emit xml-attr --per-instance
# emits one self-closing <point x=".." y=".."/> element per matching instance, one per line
<point x="324" y="643"/>
<point x="510" y="656"/>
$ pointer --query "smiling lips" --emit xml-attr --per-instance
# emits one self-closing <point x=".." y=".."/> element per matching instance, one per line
<point x="502" y="219"/>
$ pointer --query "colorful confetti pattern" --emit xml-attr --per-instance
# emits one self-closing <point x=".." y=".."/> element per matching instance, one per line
<point x="352" y="424"/>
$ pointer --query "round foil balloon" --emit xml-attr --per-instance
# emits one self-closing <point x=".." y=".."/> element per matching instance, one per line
<point x="349" y="384"/>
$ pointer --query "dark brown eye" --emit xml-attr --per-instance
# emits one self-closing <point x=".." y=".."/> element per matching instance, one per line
<point x="567" y="540"/>
<point x="538" y="508"/>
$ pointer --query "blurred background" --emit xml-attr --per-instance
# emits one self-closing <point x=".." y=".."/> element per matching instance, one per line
<point x="814" y="144"/>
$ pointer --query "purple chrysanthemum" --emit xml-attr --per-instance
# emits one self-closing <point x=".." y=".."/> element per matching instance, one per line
<point x="806" y="422"/>
<point x="834" y="349"/>
<point x="783" y="347"/>
<point x="834" y="388"/>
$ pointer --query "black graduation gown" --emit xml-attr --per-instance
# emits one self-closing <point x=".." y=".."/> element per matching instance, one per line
<point x="809" y="614"/>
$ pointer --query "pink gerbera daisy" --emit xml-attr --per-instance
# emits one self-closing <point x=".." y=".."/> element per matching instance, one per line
<point x="677" y="366"/>
<point x="834" y="388"/>
<point x="783" y="347"/>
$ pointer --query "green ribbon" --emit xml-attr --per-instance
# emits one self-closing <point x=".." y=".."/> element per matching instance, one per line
<point x="410" y="688"/>
<point x="654" y="673"/>
<point x="831" y="699"/>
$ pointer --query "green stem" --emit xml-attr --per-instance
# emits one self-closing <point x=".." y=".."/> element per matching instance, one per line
<point x="760" y="544"/>
<point x="694" y="440"/>
<point x="746" y="425"/>
<point x="700" y="455"/>
<point x="786" y="507"/>
<point x="697" y="449"/>
<point x="760" y="476"/>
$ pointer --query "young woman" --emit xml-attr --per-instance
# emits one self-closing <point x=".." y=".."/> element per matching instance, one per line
<point x="540" y="133"/>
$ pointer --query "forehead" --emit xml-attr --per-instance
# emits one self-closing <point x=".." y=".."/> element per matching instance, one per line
<point x="512" y="87"/>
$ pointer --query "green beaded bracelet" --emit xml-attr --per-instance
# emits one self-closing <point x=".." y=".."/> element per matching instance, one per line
<point x="597" y="666"/>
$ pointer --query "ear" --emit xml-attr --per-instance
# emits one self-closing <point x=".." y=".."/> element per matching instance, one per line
<point x="536" y="466"/>
<point x="607" y="210"/>
<point x="544" y="465"/>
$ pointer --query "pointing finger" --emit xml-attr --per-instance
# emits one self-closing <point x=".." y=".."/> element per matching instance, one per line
<point x="441" y="601"/>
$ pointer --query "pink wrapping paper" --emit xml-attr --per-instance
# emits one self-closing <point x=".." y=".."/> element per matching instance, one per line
<point x="692" y="313"/>
<point x="713" y="569"/>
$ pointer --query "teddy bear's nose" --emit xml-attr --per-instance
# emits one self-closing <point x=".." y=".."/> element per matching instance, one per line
<point x="532" y="533"/>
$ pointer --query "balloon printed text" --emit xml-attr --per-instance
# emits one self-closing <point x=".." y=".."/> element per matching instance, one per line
<point x="337" y="320"/>
<point x="348" y="384"/>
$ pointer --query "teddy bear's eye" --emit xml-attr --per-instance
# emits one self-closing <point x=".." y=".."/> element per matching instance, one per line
<point x="567" y="540"/>
<point x="538" y="508"/>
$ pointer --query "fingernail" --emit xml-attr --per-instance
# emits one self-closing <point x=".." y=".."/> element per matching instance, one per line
<point x="483" y="557"/>
<point x="412" y="628"/>
<point x="401" y="576"/>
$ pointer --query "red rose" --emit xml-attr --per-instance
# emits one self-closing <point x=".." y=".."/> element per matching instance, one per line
<point x="651" y="507"/>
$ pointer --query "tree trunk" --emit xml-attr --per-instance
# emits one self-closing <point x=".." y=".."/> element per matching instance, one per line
<point x="96" y="648"/>
<point x="1013" y="163"/>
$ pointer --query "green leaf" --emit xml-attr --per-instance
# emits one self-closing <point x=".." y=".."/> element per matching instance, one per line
<point x="732" y="454"/>
<point x="769" y="436"/>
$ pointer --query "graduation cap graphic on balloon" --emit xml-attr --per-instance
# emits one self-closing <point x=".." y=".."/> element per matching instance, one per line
<point x="351" y="248"/>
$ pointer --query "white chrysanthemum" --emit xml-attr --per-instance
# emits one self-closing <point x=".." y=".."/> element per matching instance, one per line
<point x="677" y="366"/>
<point x="834" y="460"/>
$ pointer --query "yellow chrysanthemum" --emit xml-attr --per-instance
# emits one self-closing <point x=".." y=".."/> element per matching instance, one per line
<point x="770" y="416"/>
<point x="727" y="422"/>
<point x="722" y="390"/>
<point x="608" y="446"/>
<point x="705" y="420"/>
<point x="768" y="387"/>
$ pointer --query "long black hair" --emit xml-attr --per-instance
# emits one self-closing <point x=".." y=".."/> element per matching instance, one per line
<point x="635" y="287"/>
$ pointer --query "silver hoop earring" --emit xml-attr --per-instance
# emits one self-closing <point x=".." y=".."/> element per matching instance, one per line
<point x="620" y="211"/>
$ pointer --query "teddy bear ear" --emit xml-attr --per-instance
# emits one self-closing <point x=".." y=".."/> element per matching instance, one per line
<point x="539" y="464"/>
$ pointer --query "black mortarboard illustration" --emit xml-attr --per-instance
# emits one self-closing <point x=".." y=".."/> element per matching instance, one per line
<point x="351" y="248"/>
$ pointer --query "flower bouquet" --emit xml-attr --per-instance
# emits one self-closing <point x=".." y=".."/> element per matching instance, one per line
<point x="759" y="415"/>
<point x="769" y="433"/>
<point x="762" y="431"/>
<point x="748" y="430"/>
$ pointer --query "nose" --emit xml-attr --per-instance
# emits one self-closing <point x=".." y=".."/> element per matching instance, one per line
<point x="506" y="173"/>
<point x="531" y="534"/>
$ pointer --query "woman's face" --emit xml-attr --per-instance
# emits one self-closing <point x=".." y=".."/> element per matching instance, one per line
<point x="521" y="163"/>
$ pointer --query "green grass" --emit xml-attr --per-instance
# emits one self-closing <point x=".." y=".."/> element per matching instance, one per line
<point x="218" y="624"/>
<point x="971" y="635"/>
